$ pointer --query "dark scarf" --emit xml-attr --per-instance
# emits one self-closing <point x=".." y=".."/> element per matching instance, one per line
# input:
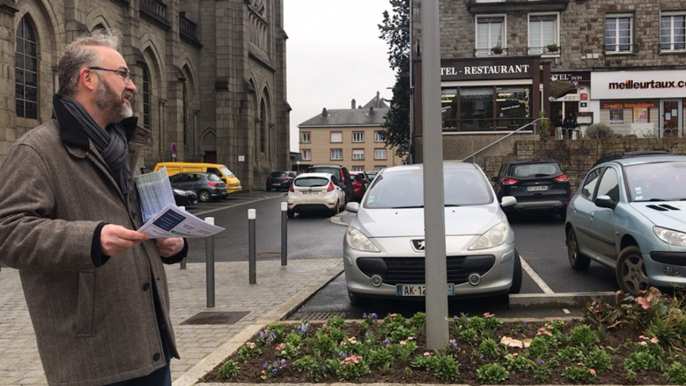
<point x="111" y="143"/>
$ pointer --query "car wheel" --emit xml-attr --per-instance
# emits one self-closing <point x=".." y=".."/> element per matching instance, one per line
<point x="577" y="260"/>
<point x="357" y="300"/>
<point x="517" y="275"/>
<point x="204" y="196"/>
<point x="631" y="271"/>
<point x="268" y="189"/>
<point x="290" y="213"/>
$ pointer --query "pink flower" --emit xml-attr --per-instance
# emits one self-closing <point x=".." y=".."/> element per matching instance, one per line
<point x="592" y="372"/>
<point x="550" y="326"/>
<point x="342" y="362"/>
<point x="355" y="360"/>
<point x="645" y="303"/>
<point x="409" y="338"/>
<point x="654" y="340"/>
<point x="542" y="329"/>
<point x="487" y="315"/>
<point x="643" y="343"/>
<point x="426" y="354"/>
<point x="283" y="352"/>
<point x="641" y="337"/>
<point x="402" y="342"/>
<point x="393" y="315"/>
<point x="515" y="354"/>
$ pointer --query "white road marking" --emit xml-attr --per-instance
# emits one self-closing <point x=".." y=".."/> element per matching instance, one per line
<point x="235" y="205"/>
<point x="537" y="279"/>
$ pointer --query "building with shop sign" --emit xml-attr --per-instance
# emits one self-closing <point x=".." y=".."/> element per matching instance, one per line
<point x="502" y="62"/>
<point x="211" y="75"/>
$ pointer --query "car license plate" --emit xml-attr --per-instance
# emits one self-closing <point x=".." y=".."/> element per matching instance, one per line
<point x="540" y="188"/>
<point x="417" y="289"/>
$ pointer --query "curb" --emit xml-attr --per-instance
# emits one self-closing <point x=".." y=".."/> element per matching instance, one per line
<point x="337" y="219"/>
<point x="284" y="310"/>
<point x="563" y="299"/>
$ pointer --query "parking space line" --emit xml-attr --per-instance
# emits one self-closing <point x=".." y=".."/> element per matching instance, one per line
<point x="537" y="279"/>
<point x="233" y="206"/>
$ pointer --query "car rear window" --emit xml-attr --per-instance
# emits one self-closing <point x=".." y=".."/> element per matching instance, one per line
<point x="543" y="169"/>
<point x="460" y="188"/>
<point x="334" y="171"/>
<point x="311" y="181"/>
<point x="278" y="174"/>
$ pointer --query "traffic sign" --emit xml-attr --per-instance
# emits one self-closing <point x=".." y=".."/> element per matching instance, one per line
<point x="173" y="148"/>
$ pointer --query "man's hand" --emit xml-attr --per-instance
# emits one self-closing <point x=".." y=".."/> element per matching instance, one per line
<point x="115" y="239"/>
<point x="169" y="247"/>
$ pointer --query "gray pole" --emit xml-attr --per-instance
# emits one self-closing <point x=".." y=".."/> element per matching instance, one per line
<point x="434" y="216"/>
<point x="284" y="234"/>
<point x="183" y="262"/>
<point x="209" y="265"/>
<point x="252" y="262"/>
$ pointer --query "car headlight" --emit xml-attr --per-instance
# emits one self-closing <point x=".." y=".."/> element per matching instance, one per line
<point x="670" y="237"/>
<point x="356" y="240"/>
<point x="181" y="192"/>
<point x="492" y="238"/>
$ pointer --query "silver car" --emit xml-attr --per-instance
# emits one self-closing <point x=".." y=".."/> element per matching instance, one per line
<point x="384" y="244"/>
<point x="630" y="215"/>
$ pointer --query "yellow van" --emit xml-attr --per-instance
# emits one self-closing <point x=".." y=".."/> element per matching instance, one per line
<point x="233" y="184"/>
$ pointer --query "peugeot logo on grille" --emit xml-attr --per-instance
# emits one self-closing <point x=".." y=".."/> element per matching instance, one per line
<point x="418" y="245"/>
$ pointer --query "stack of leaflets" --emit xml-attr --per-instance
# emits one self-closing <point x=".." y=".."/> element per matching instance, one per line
<point x="162" y="218"/>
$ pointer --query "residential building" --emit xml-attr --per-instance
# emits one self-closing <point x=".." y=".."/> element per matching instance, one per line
<point x="349" y="137"/>
<point x="502" y="62"/>
<point x="211" y="75"/>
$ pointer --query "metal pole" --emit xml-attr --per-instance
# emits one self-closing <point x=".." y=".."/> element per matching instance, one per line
<point x="284" y="234"/>
<point x="434" y="216"/>
<point x="209" y="265"/>
<point x="252" y="262"/>
<point x="183" y="262"/>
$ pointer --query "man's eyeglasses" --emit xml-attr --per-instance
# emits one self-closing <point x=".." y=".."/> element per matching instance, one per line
<point x="125" y="74"/>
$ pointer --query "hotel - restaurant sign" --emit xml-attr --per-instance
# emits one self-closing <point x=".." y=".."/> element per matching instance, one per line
<point x="486" y="69"/>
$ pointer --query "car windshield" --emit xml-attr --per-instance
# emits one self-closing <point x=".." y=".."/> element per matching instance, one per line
<point x="543" y="169"/>
<point x="213" y="177"/>
<point x="226" y="171"/>
<point x="311" y="181"/>
<point x="660" y="181"/>
<point x="405" y="190"/>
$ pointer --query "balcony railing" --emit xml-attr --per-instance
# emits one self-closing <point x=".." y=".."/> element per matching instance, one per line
<point x="155" y="10"/>
<point x="477" y="6"/>
<point x="490" y="52"/>
<point x="549" y="51"/>
<point x="188" y="30"/>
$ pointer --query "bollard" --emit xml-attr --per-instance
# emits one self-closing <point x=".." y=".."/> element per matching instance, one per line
<point x="284" y="234"/>
<point x="209" y="265"/>
<point x="183" y="262"/>
<point x="252" y="263"/>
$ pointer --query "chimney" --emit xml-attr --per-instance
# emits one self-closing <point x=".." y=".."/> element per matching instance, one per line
<point x="378" y="99"/>
<point x="324" y="113"/>
<point x="371" y="110"/>
<point x="352" y="105"/>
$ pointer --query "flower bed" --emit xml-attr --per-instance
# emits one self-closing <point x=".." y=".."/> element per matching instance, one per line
<point x="637" y="341"/>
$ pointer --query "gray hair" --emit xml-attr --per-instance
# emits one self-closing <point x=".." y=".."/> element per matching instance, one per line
<point x="78" y="55"/>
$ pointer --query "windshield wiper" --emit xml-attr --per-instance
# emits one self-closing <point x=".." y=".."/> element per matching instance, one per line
<point x="407" y="207"/>
<point x="652" y="199"/>
<point x="452" y="205"/>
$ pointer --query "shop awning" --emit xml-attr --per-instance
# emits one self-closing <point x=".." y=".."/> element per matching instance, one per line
<point x="560" y="88"/>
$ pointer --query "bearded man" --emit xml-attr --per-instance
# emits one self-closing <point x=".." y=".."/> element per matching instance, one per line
<point x="95" y="288"/>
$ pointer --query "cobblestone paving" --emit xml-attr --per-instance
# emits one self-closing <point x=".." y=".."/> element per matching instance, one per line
<point x="276" y="286"/>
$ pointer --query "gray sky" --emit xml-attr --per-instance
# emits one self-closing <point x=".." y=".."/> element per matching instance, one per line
<point x="334" y="55"/>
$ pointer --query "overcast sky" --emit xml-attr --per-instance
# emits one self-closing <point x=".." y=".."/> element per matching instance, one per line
<point x="334" y="55"/>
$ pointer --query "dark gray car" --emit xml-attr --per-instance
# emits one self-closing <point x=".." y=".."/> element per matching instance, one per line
<point x="206" y="185"/>
<point x="279" y="180"/>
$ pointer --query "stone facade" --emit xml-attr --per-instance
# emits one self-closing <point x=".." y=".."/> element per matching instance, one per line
<point x="214" y="74"/>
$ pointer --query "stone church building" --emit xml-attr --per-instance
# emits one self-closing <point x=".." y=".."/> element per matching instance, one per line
<point x="211" y="75"/>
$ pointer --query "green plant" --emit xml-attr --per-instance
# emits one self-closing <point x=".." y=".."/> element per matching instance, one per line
<point x="516" y="362"/>
<point x="400" y="333"/>
<point x="352" y="368"/>
<point x="310" y="366"/>
<point x="426" y="361"/>
<point x="599" y="360"/>
<point x="469" y="336"/>
<point x="335" y="322"/>
<point x="583" y="336"/>
<point x="279" y="331"/>
<point x="380" y="359"/>
<point x="273" y="370"/>
<point x="418" y="322"/>
<point x="407" y="373"/>
<point x="651" y="346"/>
<point x="294" y="339"/>
<point x="489" y="348"/>
<point x="286" y="350"/>
<point x="325" y="343"/>
<point x="403" y="350"/>
<point x="641" y="361"/>
<point x="538" y="348"/>
<point x="630" y="377"/>
<point x="579" y="374"/>
<point x="447" y="367"/>
<point x="543" y="124"/>
<point x="552" y="47"/>
<point x="570" y="354"/>
<point x="676" y="372"/>
<point x="497" y="49"/>
<point x="229" y="370"/>
<point x="599" y="131"/>
<point x="492" y="373"/>
<point x="248" y="350"/>
<point x="491" y="322"/>
<point x="542" y="373"/>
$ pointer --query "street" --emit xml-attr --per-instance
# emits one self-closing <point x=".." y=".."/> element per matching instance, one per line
<point x="539" y="239"/>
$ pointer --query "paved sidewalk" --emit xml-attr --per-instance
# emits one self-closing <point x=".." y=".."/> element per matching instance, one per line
<point x="279" y="290"/>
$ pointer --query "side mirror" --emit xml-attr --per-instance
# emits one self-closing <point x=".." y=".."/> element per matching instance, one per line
<point x="604" y="202"/>
<point x="352" y="207"/>
<point x="508" y="201"/>
<point x="494" y="178"/>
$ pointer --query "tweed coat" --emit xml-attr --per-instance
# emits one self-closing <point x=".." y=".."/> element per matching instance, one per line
<point x="94" y="324"/>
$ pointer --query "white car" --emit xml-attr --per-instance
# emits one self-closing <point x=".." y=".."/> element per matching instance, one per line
<point x="315" y="191"/>
<point x="384" y="244"/>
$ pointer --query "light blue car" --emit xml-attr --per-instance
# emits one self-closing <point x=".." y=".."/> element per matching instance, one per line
<point x="630" y="214"/>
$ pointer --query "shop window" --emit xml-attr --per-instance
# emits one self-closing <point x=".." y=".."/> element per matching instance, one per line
<point x="305" y="137"/>
<point x="358" y="136"/>
<point x="378" y="136"/>
<point x="490" y="34"/>
<point x="618" y="34"/>
<point x="306" y="154"/>
<point x="336" y="137"/>
<point x="358" y="154"/>
<point x="512" y="107"/>
<point x="672" y="32"/>
<point x="616" y="115"/>
<point x="641" y="115"/>
<point x="336" y="154"/>
<point x="543" y="35"/>
<point x="449" y="102"/>
<point x="379" y="153"/>
<point x="476" y="109"/>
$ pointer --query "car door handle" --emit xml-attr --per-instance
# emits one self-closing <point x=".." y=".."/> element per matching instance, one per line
<point x="592" y="214"/>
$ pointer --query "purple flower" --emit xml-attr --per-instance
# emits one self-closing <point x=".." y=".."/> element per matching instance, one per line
<point x="283" y="363"/>
<point x="341" y="354"/>
<point x="452" y="343"/>
<point x="525" y="323"/>
<point x="455" y="317"/>
<point x="541" y="361"/>
<point x="482" y="356"/>
<point x="274" y="371"/>
<point x="385" y="342"/>
<point x="265" y="365"/>
<point x="374" y="315"/>
<point x="364" y="315"/>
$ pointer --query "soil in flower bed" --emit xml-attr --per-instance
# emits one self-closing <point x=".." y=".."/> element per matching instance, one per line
<point x="618" y="342"/>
